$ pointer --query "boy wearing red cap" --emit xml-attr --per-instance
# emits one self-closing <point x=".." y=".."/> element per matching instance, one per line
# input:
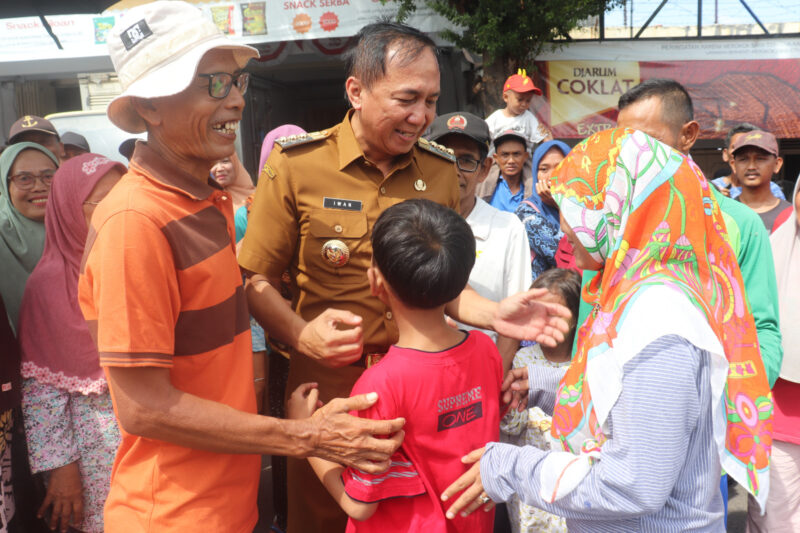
<point x="518" y="90"/>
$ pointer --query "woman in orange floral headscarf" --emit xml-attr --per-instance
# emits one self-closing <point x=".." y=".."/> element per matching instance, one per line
<point x="667" y="384"/>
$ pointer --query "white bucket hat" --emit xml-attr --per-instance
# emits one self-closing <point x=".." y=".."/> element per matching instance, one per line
<point x="156" y="48"/>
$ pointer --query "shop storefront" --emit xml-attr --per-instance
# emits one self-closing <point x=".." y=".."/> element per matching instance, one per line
<point x="299" y="77"/>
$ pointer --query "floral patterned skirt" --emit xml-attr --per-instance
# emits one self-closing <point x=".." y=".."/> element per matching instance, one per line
<point x="63" y="427"/>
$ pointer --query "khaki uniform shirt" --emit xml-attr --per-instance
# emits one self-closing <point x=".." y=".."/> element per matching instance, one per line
<point x="319" y="189"/>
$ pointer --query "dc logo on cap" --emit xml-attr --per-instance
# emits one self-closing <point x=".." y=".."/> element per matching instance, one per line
<point x="135" y="34"/>
<point x="456" y="122"/>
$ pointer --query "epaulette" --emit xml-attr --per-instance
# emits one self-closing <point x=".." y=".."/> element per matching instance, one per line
<point x="303" y="138"/>
<point x="436" y="148"/>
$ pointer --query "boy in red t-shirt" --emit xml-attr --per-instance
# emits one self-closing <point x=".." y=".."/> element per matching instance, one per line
<point x="444" y="382"/>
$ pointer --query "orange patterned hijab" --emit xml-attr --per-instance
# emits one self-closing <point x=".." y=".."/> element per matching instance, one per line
<point x="648" y="215"/>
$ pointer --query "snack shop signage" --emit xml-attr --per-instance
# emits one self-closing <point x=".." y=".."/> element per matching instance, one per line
<point x="266" y="21"/>
<point x="729" y="82"/>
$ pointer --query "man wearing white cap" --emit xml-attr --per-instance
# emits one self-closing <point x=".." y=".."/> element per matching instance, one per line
<point x="161" y="291"/>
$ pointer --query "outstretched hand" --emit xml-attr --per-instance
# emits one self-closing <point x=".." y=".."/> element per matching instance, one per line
<point x="524" y="316"/>
<point x="363" y="443"/>
<point x="470" y="482"/>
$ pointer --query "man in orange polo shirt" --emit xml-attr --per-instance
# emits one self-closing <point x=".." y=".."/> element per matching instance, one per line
<point x="162" y="293"/>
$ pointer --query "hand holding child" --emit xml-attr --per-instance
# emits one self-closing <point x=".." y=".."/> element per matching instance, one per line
<point x="303" y="401"/>
<point x="515" y="389"/>
<point x="470" y="482"/>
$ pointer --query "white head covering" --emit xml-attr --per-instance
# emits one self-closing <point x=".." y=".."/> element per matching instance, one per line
<point x="785" y="242"/>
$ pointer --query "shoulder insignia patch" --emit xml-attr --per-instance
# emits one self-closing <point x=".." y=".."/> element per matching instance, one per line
<point x="436" y="148"/>
<point x="303" y="138"/>
<point x="268" y="171"/>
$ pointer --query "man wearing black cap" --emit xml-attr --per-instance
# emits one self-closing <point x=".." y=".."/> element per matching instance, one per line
<point x="502" y="263"/>
<point x="514" y="184"/>
<point x="37" y="130"/>
<point x="74" y="144"/>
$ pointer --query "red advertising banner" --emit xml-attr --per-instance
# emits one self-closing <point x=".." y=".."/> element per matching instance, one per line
<point x="580" y="96"/>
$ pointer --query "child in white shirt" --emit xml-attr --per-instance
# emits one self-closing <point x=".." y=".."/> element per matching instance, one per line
<point x="532" y="426"/>
<point x="518" y="90"/>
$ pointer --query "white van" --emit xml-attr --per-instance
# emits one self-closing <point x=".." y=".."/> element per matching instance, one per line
<point x="102" y="135"/>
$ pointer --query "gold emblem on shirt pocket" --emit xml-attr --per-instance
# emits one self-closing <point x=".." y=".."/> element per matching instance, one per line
<point x="334" y="228"/>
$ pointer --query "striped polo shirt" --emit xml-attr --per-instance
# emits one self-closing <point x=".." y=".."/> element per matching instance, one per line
<point x="160" y="287"/>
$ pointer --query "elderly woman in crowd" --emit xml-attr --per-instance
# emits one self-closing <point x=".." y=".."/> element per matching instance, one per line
<point x="538" y="212"/>
<point x="69" y="420"/>
<point x="230" y="173"/>
<point x="648" y="412"/>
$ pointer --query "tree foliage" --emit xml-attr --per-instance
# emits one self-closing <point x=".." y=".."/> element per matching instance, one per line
<point x="513" y="29"/>
<point x="509" y="34"/>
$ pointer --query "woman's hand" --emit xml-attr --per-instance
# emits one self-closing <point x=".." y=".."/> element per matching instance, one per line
<point x="474" y="496"/>
<point x="543" y="189"/>
<point x="65" y="494"/>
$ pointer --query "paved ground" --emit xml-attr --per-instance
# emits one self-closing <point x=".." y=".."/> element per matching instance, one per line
<point x="737" y="509"/>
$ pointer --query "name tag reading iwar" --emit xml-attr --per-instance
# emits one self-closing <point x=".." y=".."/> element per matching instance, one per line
<point x="340" y="203"/>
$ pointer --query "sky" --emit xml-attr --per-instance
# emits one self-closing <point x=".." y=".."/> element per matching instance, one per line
<point x="684" y="12"/>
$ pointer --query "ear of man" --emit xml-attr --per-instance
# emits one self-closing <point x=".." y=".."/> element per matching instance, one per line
<point x="688" y="136"/>
<point x="483" y="170"/>
<point x="353" y="88"/>
<point x="778" y="164"/>
<point x="147" y="109"/>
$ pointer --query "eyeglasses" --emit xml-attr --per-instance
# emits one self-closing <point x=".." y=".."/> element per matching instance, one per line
<point x="467" y="164"/>
<point x="219" y="83"/>
<point x="26" y="181"/>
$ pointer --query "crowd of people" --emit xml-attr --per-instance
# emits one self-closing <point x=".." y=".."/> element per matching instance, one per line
<point x="418" y="317"/>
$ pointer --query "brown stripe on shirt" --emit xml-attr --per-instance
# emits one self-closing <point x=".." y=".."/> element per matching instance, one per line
<point x="196" y="237"/>
<point x="203" y="330"/>
<point x="135" y="359"/>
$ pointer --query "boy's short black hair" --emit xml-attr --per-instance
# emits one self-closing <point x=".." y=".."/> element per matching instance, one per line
<point x="566" y="283"/>
<point x="425" y="251"/>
